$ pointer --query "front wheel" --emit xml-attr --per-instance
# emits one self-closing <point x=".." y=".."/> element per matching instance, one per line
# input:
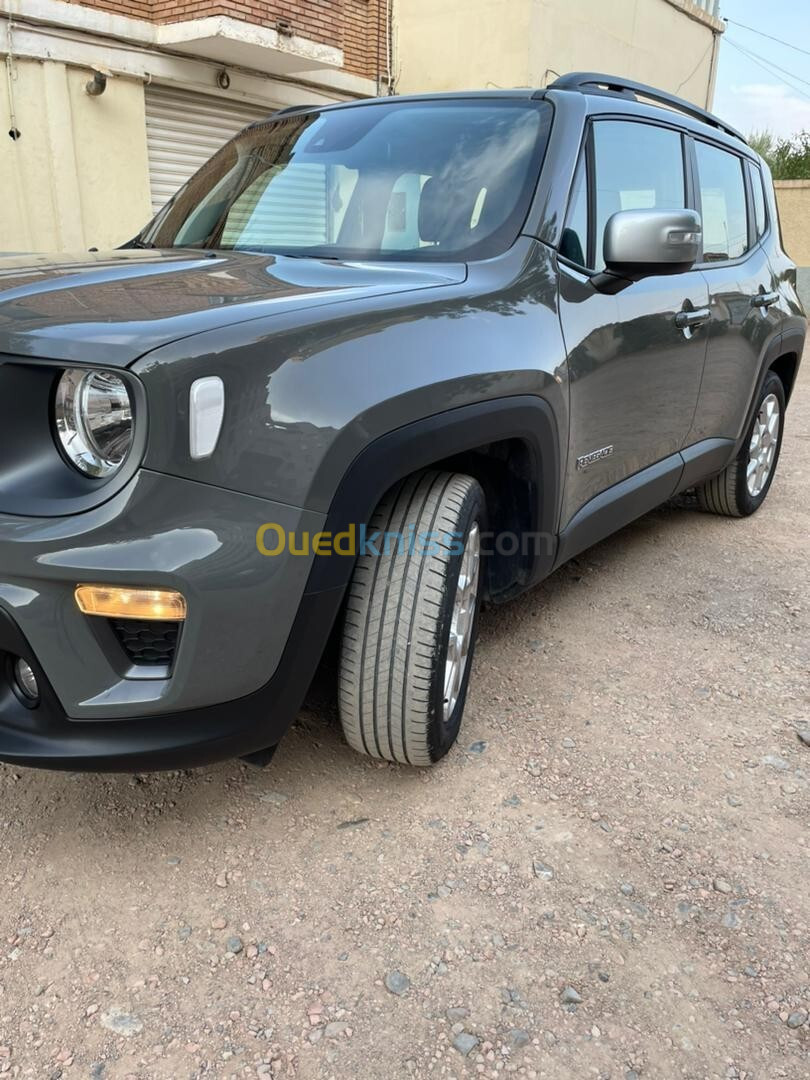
<point x="741" y="487"/>
<point x="411" y="620"/>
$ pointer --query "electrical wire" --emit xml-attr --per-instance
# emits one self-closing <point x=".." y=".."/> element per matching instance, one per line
<point x="770" y="37"/>
<point x="771" y="69"/>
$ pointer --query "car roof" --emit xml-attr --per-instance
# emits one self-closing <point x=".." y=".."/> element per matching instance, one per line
<point x="620" y="98"/>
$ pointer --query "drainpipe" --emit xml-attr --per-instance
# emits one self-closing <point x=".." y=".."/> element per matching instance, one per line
<point x="13" y="131"/>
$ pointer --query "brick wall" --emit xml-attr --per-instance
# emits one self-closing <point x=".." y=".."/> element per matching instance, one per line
<point x="356" y="26"/>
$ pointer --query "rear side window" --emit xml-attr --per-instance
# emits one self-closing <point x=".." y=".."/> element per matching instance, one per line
<point x="722" y="199"/>
<point x="637" y="167"/>
<point x="760" y="216"/>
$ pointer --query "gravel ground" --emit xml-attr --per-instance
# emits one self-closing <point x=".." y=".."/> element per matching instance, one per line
<point x="607" y="878"/>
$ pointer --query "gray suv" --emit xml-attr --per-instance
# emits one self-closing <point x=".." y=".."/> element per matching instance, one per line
<point x="373" y="364"/>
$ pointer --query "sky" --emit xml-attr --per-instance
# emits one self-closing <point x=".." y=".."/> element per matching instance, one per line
<point x="753" y="97"/>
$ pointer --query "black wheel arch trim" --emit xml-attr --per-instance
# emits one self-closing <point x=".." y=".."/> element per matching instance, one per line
<point x="417" y="445"/>
<point x="790" y="341"/>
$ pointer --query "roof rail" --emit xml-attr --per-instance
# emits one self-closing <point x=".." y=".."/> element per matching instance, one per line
<point x="592" y="82"/>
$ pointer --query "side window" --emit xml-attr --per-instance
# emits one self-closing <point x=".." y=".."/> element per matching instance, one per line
<point x="637" y="166"/>
<point x="722" y="200"/>
<point x="760" y="216"/>
<point x="574" y="240"/>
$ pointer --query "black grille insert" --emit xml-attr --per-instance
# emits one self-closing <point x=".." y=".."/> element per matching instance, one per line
<point x="147" y="642"/>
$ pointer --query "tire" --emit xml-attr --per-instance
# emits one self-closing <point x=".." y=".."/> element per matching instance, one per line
<point x="729" y="493"/>
<point x="399" y="616"/>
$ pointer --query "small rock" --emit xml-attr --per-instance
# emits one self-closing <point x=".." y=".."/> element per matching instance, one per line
<point x="354" y="823"/>
<point x="512" y="800"/>
<point x="804" y="735"/>
<point x="120" y="1022"/>
<point x="221" y="881"/>
<point x="568" y="744"/>
<point x="219" y="922"/>
<point x="465" y="1043"/>
<point x="397" y="983"/>
<point x="477" y="747"/>
<point x="234" y="945"/>
<point x="776" y="761"/>
<point x="274" y="798"/>
<point x="569" y="996"/>
<point x="797" y="1018"/>
<point x="184" y="933"/>
<point x="626" y="889"/>
<point x="518" y="1037"/>
<point x="541" y="871"/>
<point x="734" y="800"/>
<point x="335" y="1029"/>
<point x="457" y="1013"/>
<point x="721" y="885"/>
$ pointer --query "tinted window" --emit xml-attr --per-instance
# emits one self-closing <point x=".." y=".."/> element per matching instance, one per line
<point x="760" y="216"/>
<point x="574" y="241"/>
<point x="637" y="166"/>
<point x="722" y="200"/>
<point x="408" y="180"/>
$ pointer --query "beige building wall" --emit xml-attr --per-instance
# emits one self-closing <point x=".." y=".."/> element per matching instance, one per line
<point x="793" y="199"/>
<point x="78" y="175"/>
<point x="480" y="44"/>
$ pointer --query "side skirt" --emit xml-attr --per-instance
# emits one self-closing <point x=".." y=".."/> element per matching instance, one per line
<point x="611" y="510"/>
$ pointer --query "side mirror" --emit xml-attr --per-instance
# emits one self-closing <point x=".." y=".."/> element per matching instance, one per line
<point x="640" y="243"/>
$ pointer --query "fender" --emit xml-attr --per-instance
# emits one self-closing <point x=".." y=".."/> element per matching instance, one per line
<point x="417" y="445"/>
<point x="790" y="341"/>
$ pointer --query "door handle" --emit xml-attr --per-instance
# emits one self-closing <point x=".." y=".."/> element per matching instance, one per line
<point x="764" y="299"/>
<point x="687" y="320"/>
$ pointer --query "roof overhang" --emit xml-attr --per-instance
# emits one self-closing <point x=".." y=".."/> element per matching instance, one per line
<point x="243" y="44"/>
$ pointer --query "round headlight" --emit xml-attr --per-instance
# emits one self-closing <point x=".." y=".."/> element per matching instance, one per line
<point x="93" y="418"/>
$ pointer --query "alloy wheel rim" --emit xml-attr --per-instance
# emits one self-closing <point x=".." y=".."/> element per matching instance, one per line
<point x="462" y="620"/>
<point x="762" y="448"/>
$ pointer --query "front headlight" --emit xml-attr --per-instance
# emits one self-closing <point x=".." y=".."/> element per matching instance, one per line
<point x="93" y="420"/>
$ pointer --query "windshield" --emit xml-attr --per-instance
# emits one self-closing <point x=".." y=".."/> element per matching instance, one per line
<point x="446" y="179"/>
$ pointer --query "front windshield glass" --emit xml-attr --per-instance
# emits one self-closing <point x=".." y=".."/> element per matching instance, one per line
<point x="447" y="179"/>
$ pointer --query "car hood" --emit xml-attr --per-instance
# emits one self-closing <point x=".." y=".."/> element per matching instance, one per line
<point x="112" y="308"/>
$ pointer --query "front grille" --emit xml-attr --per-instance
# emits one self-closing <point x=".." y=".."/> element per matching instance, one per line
<point x="147" y="642"/>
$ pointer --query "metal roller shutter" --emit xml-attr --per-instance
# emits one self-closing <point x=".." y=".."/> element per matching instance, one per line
<point x="183" y="130"/>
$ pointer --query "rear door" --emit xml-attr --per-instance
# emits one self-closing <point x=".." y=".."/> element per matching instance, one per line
<point x="634" y="372"/>
<point x="744" y="297"/>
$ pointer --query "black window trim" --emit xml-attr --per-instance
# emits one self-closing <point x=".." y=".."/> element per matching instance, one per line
<point x="714" y="264"/>
<point x="754" y="169"/>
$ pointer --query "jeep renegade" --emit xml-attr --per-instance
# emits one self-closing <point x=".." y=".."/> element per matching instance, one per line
<point x="373" y="363"/>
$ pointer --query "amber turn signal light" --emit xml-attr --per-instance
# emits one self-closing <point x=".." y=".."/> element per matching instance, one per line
<point x="116" y="603"/>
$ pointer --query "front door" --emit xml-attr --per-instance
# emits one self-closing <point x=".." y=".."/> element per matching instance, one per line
<point x="635" y="366"/>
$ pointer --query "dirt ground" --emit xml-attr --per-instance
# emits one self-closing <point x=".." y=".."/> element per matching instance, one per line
<point x="607" y="878"/>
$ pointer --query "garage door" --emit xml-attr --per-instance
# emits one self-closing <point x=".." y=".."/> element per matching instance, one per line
<point x="183" y="130"/>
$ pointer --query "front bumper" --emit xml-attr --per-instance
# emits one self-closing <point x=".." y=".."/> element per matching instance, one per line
<point x="245" y="656"/>
<point x="45" y="737"/>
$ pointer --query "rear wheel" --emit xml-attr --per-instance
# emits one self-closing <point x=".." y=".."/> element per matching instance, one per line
<point x="411" y="621"/>
<point x="743" y="485"/>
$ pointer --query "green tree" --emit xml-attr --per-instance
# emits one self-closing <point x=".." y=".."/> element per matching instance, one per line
<point x="788" y="158"/>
